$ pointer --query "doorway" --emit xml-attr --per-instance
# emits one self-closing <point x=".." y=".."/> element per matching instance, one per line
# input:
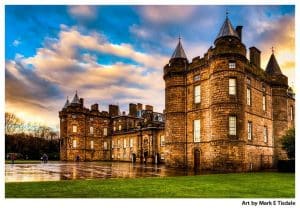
<point x="197" y="159"/>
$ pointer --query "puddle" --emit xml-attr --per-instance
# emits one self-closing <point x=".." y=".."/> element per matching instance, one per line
<point x="55" y="171"/>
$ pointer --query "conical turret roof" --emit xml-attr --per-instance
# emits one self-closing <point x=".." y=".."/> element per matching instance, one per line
<point x="67" y="103"/>
<point x="179" y="52"/>
<point x="227" y="30"/>
<point x="273" y="67"/>
<point x="76" y="99"/>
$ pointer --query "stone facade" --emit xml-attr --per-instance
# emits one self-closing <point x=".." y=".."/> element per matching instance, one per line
<point x="199" y="91"/>
<point x="91" y="135"/>
<point x="223" y="112"/>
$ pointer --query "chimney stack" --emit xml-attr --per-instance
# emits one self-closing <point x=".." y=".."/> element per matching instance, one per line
<point x="94" y="107"/>
<point x="149" y="108"/>
<point x="81" y="102"/>
<point x="113" y="110"/>
<point x="239" y="29"/>
<point x="132" y="109"/>
<point x="139" y="106"/>
<point x="255" y="56"/>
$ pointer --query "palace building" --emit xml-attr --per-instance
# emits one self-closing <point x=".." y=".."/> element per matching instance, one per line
<point x="223" y="112"/>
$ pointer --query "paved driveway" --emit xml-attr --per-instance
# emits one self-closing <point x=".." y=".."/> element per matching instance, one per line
<point x="54" y="171"/>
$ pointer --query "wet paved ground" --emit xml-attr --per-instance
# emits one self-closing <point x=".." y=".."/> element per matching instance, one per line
<point x="55" y="171"/>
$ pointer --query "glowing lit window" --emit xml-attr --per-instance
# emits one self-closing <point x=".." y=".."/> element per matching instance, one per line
<point x="105" y="132"/>
<point x="92" y="144"/>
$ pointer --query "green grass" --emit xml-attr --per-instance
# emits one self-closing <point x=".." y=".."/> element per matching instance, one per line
<point x="23" y="161"/>
<point x="236" y="185"/>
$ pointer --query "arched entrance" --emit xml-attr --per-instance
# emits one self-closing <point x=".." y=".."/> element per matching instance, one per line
<point x="197" y="159"/>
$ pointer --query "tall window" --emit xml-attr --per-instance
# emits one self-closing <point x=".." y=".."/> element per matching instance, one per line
<point x="112" y="144"/>
<point x="114" y="128"/>
<point x="74" y="128"/>
<point x="119" y="143"/>
<point x="120" y="127"/>
<point x="91" y="130"/>
<point x="124" y="143"/>
<point x="232" y="125"/>
<point x="232" y="86"/>
<point x="131" y="142"/>
<point x="74" y="143"/>
<point x="105" y="132"/>
<point x="105" y="145"/>
<point x="162" y="140"/>
<point x="265" y="134"/>
<point x="249" y="130"/>
<point x="248" y="96"/>
<point x="264" y="102"/>
<point x="197" y="94"/>
<point x="232" y="65"/>
<point x="292" y="113"/>
<point x="92" y="144"/>
<point x="196" y="130"/>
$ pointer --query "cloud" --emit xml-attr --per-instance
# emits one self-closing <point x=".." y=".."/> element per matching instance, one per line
<point x="140" y="32"/>
<point x="83" y="11"/>
<point x="166" y="14"/>
<point x="43" y="81"/>
<point x="280" y="34"/>
<point x="16" y="43"/>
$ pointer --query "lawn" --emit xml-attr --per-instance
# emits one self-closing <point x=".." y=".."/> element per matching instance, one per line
<point x="235" y="185"/>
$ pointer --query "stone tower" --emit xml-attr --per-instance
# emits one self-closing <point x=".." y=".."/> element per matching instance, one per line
<point x="175" y="108"/>
<point x="279" y="85"/>
<point x="226" y="62"/>
<point x="73" y="135"/>
<point x="83" y="132"/>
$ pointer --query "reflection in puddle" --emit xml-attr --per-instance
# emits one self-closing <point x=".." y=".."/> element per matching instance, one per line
<point x="55" y="171"/>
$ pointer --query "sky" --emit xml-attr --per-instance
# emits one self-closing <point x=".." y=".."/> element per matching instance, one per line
<point x="115" y="54"/>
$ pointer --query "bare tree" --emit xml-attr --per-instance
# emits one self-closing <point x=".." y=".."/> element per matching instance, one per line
<point x="13" y="124"/>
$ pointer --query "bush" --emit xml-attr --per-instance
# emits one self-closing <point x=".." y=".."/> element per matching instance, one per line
<point x="286" y="166"/>
<point x="288" y="143"/>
